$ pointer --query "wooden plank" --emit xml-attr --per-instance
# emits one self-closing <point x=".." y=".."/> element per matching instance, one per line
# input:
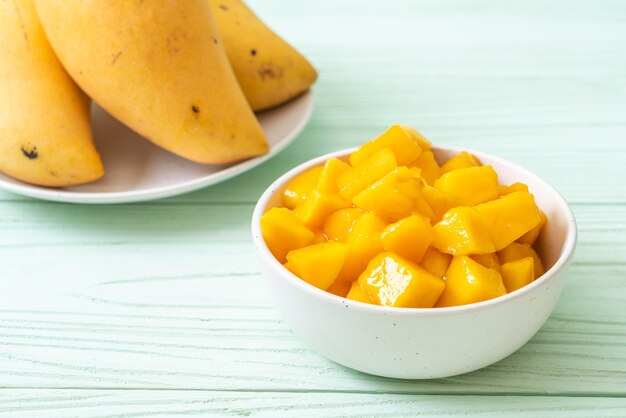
<point x="169" y="296"/>
<point x="89" y="403"/>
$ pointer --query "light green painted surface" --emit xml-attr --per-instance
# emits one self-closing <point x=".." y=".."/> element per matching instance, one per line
<point x="158" y="308"/>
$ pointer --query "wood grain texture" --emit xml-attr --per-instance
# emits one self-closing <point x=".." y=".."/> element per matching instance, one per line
<point x="140" y="403"/>
<point x="158" y="309"/>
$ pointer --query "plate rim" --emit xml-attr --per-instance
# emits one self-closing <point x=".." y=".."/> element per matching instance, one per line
<point x="156" y="193"/>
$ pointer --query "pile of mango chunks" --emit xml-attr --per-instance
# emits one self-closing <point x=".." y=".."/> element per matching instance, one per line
<point x="392" y="227"/>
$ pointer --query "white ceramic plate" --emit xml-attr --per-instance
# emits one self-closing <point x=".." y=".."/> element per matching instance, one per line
<point x="137" y="170"/>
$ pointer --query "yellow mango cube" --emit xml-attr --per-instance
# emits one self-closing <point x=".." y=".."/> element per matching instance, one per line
<point x="364" y="242"/>
<point x="338" y="225"/>
<point x="409" y="237"/>
<point x="462" y="231"/>
<point x="395" y="196"/>
<point x="531" y="236"/>
<point x="517" y="274"/>
<point x="332" y="169"/>
<point x="318" y="264"/>
<point x="461" y="160"/>
<point x="319" y="237"/>
<point x="417" y="136"/>
<point x="515" y="187"/>
<point x="365" y="173"/>
<point x="470" y="282"/>
<point x="438" y="201"/>
<point x="517" y="251"/>
<point x="488" y="260"/>
<point x="436" y="262"/>
<point x="297" y="189"/>
<point x="317" y="206"/>
<point x="509" y="217"/>
<point x="340" y="288"/>
<point x="391" y="280"/>
<point x="430" y="169"/>
<point x="469" y="186"/>
<point x="358" y="294"/>
<point x="403" y="143"/>
<point x="283" y="232"/>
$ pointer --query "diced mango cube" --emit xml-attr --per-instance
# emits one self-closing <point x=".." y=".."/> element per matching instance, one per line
<point x="469" y="282"/>
<point x="409" y="237"/>
<point x="364" y="241"/>
<point x="515" y="187"/>
<point x="462" y="231"/>
<point x="340" y="288"/>
<point x="417" y="136"/>
<point x="391" y="280"/>
<point x="338" y="225"/>
<point x="517" y="251"/>
<point x="469" y="186"/>
<point x="365" y="173"/>
<point x="398" y="139"/>
<point x="509" y="217"/>
<point x="488" y="260"/>
<point x="438" y="201"/>
<point x="333" y="168"/>
<point x="430" y="169"/>
<point x="318" y="264"/>
<point x="284" y="232"/>
<point x="461" y="160"/>
<point x="297" y="189"/>
<point x="395" y="196"/>
<point x="317" y="206"/>
<point x="319" y="237"/>
<point x="358" y="294"/>
<point x="436" y="262"/>
<point x="531" y="236"/>
<point x="517" y="274"/>
<point x="290" y="267"/>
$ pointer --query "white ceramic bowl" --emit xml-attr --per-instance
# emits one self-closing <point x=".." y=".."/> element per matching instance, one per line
<point x="412" y="343"/>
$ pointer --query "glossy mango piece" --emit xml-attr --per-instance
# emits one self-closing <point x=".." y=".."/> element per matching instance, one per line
<point x="365" y="173"/>
<point x="358" y="294"/>
<point x="428" y="165"/>
<point x="403" y="141"/>
<point x="318" y="264"/>
<point x="339" y="224"/>
<point x="332" y="169"/>
<point x="469" y="186"/>
<point x="439" y="202"/>
<point x="317" y="206"/>
<point x="299" y="186"/>
<point x="531" y="236"/>
<point x="469" y="282"/>
<point x="515" y="187"/>
<point x="318" y="236"/>
<point x="462" y="231"/>
<point x="290" y="267"/>
<point x="509" y="217"/>
<point x="461" y="160"/>
<point x="436" y="262"/>
<point x="517" y="251"/>
<point x="488" y="260"/>
<point x="340" y="288"/>
<point x="364" y="242"/>
<point x="283" y="232"/>
<point x="391" y="280"/>
<point x="395" y="196"/>
<point x="517" y="274"/>
<point x="410" y="237"/>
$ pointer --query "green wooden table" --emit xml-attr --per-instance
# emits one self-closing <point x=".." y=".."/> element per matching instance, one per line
<point x="156" y="309"/>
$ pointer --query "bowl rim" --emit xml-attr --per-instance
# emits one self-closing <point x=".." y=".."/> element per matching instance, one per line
<point x="291" y="279"/>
